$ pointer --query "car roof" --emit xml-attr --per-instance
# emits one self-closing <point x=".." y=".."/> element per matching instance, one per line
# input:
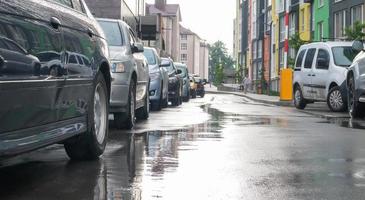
<point x="328" y="44"/>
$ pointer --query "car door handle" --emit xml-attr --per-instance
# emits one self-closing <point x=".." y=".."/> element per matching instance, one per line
<point x="313" y="75"/>
<point x="55" y="22"/>
<point x="90" y="32"/>
<point x="309" y="74"/>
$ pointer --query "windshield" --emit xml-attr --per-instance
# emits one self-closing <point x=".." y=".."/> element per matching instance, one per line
<point x="343" y="56"/>
<point x="169" y="68"/>
<point x="184" y="71"/>
<point x="112" y="33"/>
<point x="150" y="56"/>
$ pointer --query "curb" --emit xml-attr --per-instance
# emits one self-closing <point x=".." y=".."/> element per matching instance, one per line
<point x="277" y="103"/>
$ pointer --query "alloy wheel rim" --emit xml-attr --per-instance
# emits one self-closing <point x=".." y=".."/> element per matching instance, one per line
<point x="297" y="97"/>
<point x="336" y="99"/>
<point x="100" y="113"/>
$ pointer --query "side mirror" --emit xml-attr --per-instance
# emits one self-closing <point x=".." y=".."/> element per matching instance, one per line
<point x="357" y="45"/>
<point x="179" y="71"/>
<point x="322" y="63"/>
<point x="137" y="48"/>
<point x="165" y="63"/>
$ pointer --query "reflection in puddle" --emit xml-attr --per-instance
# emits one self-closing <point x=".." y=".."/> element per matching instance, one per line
<point x="344" y="122"/>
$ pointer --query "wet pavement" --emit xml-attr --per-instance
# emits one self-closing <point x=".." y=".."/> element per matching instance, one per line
<point x="219" y="147"/>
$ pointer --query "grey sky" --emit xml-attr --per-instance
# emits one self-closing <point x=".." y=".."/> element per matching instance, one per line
<point x="210" y="19"/>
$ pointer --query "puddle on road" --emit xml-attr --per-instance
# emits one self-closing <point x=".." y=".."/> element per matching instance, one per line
<point x="134" y="166"/>
<point x="344" y="122"/>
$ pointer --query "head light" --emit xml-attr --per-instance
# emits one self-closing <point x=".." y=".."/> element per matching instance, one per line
<point x="118" y="67"/>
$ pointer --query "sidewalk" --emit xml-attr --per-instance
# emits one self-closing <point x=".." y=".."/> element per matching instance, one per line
<point x="275" y="100"/>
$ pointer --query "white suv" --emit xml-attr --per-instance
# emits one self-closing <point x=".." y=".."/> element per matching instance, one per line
<point x="320" y="73"/>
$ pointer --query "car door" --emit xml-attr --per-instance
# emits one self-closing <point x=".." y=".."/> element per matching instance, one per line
<point x="31" y="74"/>
<point x="142" y="70"/>
<point x="79" y="43"/>
<point x="307" y="72"/>
<point x="320" y="74"/>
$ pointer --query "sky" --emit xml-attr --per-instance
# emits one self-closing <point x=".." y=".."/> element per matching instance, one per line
<point x="212" y="20"/>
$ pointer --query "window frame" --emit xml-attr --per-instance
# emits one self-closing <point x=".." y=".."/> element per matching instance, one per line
<point x="328" y="56"/>
<point x="311" y="59"/>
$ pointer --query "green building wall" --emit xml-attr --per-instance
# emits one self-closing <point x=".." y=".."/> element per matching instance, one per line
<point x="321" y="15"/>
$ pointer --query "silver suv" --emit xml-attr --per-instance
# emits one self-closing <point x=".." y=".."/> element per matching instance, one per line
<point x="320" y="74"/>
<point x="129" y="97"/>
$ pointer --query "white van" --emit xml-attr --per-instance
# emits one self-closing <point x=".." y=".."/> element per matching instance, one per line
<point x="320" y="73"/>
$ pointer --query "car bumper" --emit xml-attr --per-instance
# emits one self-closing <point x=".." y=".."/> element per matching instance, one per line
<point x="155" y="90"/>
<point x="119" y="92"/>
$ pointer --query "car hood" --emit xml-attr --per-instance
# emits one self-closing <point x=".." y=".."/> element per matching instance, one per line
<point x="117" y="53"/>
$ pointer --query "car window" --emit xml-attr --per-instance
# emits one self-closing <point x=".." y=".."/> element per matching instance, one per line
<point x="343" y="56"/>
<point x="77" y="5"/>
<point x="13" y="47"/>
<point x="132" y="39"/>
<point x="150" y="56"/>
<point x="299" y="62"/>
<point x="86" y="61"/>
<point x="72" y="59"/>
<point x="309" y="58"/>
<point x="80" y="60"/>
<point x="323" y="59"/>
<point x="113" y="33"/>
<point x="64" y="2"/>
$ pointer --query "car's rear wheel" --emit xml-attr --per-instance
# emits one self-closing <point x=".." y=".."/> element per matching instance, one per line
<point x="144" y="112"/>
<point x="202" y="94"/>
<point x="335" y="100"/>
<point x="299" y="101"/>
<point x="193" y="95"/>
<point x="187" y="98"/>
<point x="91" y="145"/>
<point x="356" y="109"/>
<point x="127" y="120"/>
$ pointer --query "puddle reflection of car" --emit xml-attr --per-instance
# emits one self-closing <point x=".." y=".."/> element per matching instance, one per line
<point x="40" y="109"/>
<point x="77" y="63"/>
<point x="159" y="80"/>
<point x="16" y="60"/>
<point x="130" y="90"/>
<point x="186" y="81"/>
<point x="175" y="81"/>
<point x="355" y="82"/>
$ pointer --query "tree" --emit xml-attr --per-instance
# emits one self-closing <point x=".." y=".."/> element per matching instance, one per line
<point x="219" y="60"/>
<point x="355" y="32"/>
<point x="295" y="42"/>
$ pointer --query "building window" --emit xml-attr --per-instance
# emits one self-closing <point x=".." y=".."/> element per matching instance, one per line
<point x="320" y="3"/>
<point x="281" y="6"/>
<point x="357" y="14"/>
<point x="282" y="29"/>
<point x="254" y="16"/>
<point x="320" y="31"/>
<point x="259" y="49"/>
<point x="254" y="50"/>
<point x="184" y="46"/>
<point x="281" y="57"/>
<point x="292" y="23"/>
<point x="339" y="23"/>
<point x="184" y="37"/>
<point x="184" y="57"/>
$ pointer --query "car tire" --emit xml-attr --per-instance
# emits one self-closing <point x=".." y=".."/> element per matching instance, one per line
<point x="90" y="145"/>
<point x="187" y="98"/>
<point x="144" y="112"/>
<point x="355" y="108"/>
<point x="299" y="101"/>
<point x="193" y="95"/>
<point x="202" y="94"/>
<point x="127" y="120"/>
<point x="335" y="100"/>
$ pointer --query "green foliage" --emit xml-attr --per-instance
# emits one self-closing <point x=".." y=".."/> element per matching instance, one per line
<point x="355" y="32"/>
<point x="219" y="59"/>
<point x="296" y="42"/>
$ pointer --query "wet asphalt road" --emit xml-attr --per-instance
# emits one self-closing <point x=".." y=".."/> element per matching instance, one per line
<point x="219" y="147"/>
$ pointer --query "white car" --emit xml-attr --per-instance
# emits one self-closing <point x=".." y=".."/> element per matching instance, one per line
<point x="356" y="83"/>
<point x="320" y="73"/>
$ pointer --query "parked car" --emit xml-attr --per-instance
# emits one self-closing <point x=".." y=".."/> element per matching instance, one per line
<point x="129" y="98"/>
<point x="186" y="81"/>
<point x="175" y="81"/>
<point x="43" y="103"/>
<point x="200" y="86"/>
<point x="356" y="83"/>
<point x="320" y="74"/>
<point x="159" y="80"/>
<point x="193" y="86"/>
